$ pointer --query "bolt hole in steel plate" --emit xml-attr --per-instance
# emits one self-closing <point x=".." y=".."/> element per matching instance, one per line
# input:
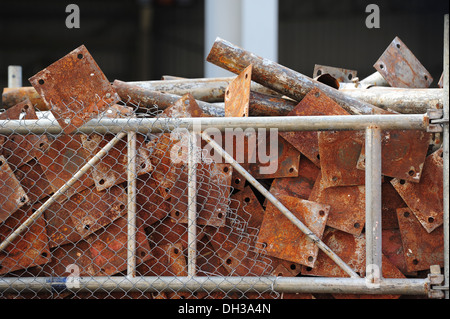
<point x="282" y="239"/>
<point x="72" y="93"/>
<point x="29" y="249"/>
<point x="12" y="195"/>
<point x="421" y="249"/>
<point x="400" y="68"/>
<point x="340" y="74"/>
<point x="425" y="199"/>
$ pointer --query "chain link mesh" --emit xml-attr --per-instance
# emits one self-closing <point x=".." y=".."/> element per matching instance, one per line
<point x="84" y="232"/>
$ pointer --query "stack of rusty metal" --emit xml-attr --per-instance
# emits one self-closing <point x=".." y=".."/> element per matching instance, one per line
<point x="66" y="224"/>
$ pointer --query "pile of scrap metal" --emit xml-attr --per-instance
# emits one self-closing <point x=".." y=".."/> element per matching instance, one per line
<point x="319" y="175"/>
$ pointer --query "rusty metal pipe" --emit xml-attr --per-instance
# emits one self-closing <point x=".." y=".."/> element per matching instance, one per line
<point x="400" y="100"/>
<point x="280" y="78"/>
<point x="229" y="159"/>
<point x="204" y="89"/>
<point x="91" y="163"/>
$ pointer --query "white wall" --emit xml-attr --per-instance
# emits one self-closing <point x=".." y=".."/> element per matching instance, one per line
<point x="250" y="24"/>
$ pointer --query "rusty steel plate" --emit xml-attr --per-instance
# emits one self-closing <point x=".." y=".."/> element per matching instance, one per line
<point x="168" y="231"/>
<point x="300" y="186"/>
<point x="315" y="103"/>
<point x="347" y="206"/>
<point x="169" y="151"/>
<point x="61" y="160"/>
<point x="213" y="194"/>
<point x="391" y="201"/>
<point x="20" y="149"/>
<point x="392" y="248"/>
<point x="280" y="238"/>
<point x="12" y="195"/>
<point x="340" y="74"/>
<point x="237" y="252"/>
<point x="249" y="211"/>
<point x="274" y="163"/>
<point x="151" y="206"/>
<point x="339" y="154"/>
<point x="109" y="246"/>
<point x="421" y="249"/>
<point x="350" y="248"/>
<point x="75" y="89"/>
<point x="403" y="154"/>
<point x="83" y="214"/>
<point x="425" y="199"/>
<point x="29" y="249"/>
<point x="33" y="181"/>
<point x="237" y="95"/>
<point x="112" y="169"/>
<point x="400" y="68"/>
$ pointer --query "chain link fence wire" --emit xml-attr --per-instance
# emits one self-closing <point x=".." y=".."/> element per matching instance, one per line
<point x="84" y="232"/>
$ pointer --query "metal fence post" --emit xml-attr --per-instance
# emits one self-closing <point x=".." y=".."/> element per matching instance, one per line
<point x="14" y="76"/>
<point x="131" y="216"/>
<point x="373" y="205"/>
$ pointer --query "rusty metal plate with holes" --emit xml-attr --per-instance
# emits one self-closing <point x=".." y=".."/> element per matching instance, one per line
<point x="421" y="249"/>
<point x="249" y="212"/>
<point x="33" y="181"/>
<point x="403" y="154"/>
<point x="389" y="271"/>
<point x="392" y="248"/>
<point x="108" y="246"/>
<point x="280" y="238"/>
<point x="425" y="199"/>
<point x="83" y="214"/>
<point x="351" y="249"/>
<point x="237" y="95"/>
<point x="150" y="204"/>
<point x="347" y="206"/>
<point x="29" y="249"/>
<point x="12" y="195"/>
<point x="300" y="186"/>
<point x="237" y="252"/>
<point x="213" y="194"/>
<point x="61" y="160"/>
<point x="315" y="103"/>
<point x="112" y="169"/>
<point x="340" y="74"/>
<point x="274" y="163"/>
<point x="400" y="68"/>
<point x="238" y="181"/>
<point x="75" y="89"/>
<point x="20" y="149"/>
<point x="339" y="154"/>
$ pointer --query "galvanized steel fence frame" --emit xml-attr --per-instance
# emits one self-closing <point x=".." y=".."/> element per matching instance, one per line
<point x="435" y="286"/>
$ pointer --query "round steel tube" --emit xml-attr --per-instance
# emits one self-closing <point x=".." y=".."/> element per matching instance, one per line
<point x="282" y="123"/>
